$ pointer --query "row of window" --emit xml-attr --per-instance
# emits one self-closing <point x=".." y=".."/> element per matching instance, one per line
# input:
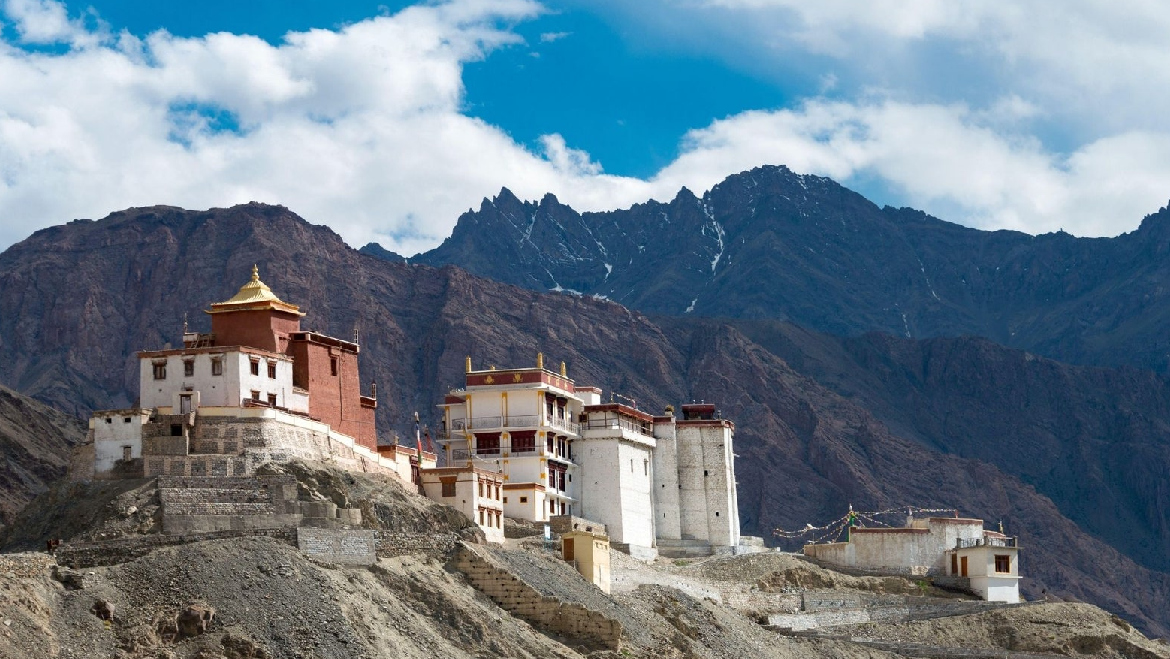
<point x="271" y="398"/>
<point x="491" y="518"/>
<point x="1003" y="564"/>
<point x="489" y="490"/>
<point x="160" y="368"/>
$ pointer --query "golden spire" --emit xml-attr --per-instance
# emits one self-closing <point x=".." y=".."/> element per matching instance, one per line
<point x="564" y="371"/>
<point x="540" y="360"/>
<point x="254" y="295"/>
<point x="468" y="367"/>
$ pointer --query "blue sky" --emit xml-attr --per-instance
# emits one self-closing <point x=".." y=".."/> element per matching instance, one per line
<point x="386" y="120"/>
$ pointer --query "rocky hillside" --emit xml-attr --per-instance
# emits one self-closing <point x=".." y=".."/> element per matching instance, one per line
<point x="82" y="298"/>
<point x="34" y="445"/>
<point x="1095" y="440"/>
<point x="248" y="597"/>
<point x="769" y="243"/>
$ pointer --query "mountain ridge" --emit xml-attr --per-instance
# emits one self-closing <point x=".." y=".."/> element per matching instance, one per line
<point x="772" y="244"/>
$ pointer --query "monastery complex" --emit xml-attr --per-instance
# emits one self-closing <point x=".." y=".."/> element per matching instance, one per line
<point x="525" y="443"/>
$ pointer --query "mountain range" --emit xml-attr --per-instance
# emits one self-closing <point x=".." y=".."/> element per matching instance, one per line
<point x="1070" y="458"/>
<point x="772" y="244"/>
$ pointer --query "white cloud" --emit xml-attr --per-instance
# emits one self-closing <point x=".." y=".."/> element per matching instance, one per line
<point x="549" y="37"/>
<point x="1100" y="64"/>
<point x="364" y="128"/>
<point x="46" y="22"/>
<point x="945" y="159"/>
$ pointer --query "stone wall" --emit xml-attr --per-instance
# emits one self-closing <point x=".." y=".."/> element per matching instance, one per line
<point x="550" y="614"/>
<point x="112" y="552"/>
<point x="399" y="543"/>
<point x="222" y="446"/>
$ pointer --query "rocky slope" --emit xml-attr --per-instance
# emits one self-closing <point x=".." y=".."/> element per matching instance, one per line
<point x="1095" y="440"/>
<point x="769" y="243"/>
<point x="83" y="297"/>
<point x="34" y="443"/>
<point x="261" y="598"/>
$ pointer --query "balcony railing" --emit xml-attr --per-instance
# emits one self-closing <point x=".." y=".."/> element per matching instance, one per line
<point x="521" y="421"/>
<point x="564" y="424"/>
<point x="614" y="424"/>
<point x="964" y="543"/>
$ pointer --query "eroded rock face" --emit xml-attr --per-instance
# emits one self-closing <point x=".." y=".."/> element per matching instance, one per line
<point x="770" y="243"/>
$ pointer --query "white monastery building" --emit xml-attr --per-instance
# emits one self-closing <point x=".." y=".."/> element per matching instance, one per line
<point x="950" y="546"/>
<point x="654" y="482"/>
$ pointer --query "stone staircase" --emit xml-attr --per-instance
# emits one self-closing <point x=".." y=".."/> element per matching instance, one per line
<point x="527" y="596"/>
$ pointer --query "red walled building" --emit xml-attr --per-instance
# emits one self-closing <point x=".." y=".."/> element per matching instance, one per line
<point x="323" y="366"/>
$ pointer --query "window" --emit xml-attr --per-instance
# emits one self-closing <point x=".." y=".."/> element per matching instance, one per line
<point x="255" y="367"/>
<point x="333" y="366"/>
<point x="954" y="563"/>
<point x="1003" y="563"/>
<point x="176" y="430"/>
<point x="256" y="396"/>
<point x="160" y="370"/>
<point x="645" y="467"/>
<point x="271" y="400"/>
<point x="188" y="367"/>
<point x="126" y="454"/>
<point x="481" y="488"/>
<point x="216" y="366"/>
<point x="125" y="419"/>
<point x="523" y="441"/>
<point x="704" y="472"/>
<point x="449" y="488"/>
<point x="109" y="419"/>
<point x="481" y="516"/>
<point x="523" y="499"/>
<point x="505" y="499"/>
<point x="552" y="506"/>
<point x="271" y="370"/>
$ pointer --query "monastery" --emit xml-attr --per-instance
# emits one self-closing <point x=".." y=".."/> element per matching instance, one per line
<point x="526" y="443"/>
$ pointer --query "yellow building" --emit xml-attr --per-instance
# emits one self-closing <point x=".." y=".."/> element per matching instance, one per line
<point x="589" y="553"/>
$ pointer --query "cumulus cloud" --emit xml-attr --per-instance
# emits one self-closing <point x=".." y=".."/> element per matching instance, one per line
<point x="943" y="158"/>
<point x="364" y="128"/>
<point x="46" y="22"/>
<point x="1088" y="61"/>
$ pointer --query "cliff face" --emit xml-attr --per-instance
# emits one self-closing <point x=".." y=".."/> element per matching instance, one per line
<point x="1095" y="440"/>
<point x="769" y="243"/>
<point x="81" y="298"/>
<point x="35" y="440"/>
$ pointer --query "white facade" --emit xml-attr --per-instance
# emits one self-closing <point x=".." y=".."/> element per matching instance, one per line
<point x="117" y="437"/>
<point x="992" y="565"/>
<point x="476" y="493"/>
<point x="563" y="452"/>
<point x="521" y="422"/>
<point x="209" y="377"/>
<point x="615" y="455"/>
<point x="694" y="487"/>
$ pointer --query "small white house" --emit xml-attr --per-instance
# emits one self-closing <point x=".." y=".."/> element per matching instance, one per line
<point x="117" y="437"/>
<point x="992" y="564"/>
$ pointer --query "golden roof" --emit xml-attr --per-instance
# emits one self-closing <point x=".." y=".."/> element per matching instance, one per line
<point x="254" y="295"/>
